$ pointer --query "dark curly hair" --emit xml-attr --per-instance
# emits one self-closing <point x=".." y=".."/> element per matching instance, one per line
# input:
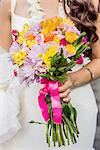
<point x="84" y="15"/>
<point x="99" y="7"/>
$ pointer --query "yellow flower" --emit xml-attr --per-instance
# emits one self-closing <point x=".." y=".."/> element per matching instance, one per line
<point x="21" y="39"/>
<point x="19" y="57"/>
<point x="40" y="55"/>
<point x="68" y="21"/>
<point x="49" y="25"/>
<point x="30" y="44"/>
<point x="56" y="39"/>
<point x="71" y="37"/>
<point x="71" y="49"/>
<point x="52" y="51"/>
<point x="47" y="61"/>
<point x="25" y="29"/>
<point x="48" y="55"/>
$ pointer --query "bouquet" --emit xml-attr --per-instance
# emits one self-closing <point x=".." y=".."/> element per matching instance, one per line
<point x="45" y="52"/>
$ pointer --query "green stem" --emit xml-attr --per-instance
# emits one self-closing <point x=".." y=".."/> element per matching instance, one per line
<point x="54" y="135"/>
<point x="73" y="118"/>
<point x="47" y="135"/>
<point x="66" y="132"/>
<point x="71" y="132"/>
<point x="35" y="122"/>
<point x="58" y="136"/>
<point x="61" y="135"/>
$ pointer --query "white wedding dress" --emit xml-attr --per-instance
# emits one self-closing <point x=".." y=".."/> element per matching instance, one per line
<point x="18" y="106"/>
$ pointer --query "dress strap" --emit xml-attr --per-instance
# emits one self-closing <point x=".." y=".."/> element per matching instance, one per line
<point x="13" y="5"/>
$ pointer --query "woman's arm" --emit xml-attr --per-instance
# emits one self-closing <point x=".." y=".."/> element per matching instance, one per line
<point x="83" y="76"/>
<point x="5" y="26"/>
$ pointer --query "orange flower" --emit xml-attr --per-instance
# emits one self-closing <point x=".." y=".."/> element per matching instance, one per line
<point x="49" y="25"/>
<point x="48" y="38"/>
<point x="31" y="37"/>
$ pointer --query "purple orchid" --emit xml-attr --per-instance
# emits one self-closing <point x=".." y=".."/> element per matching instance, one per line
<point x="15" y="47"/>
<point x="35" y="29"/>
<point x="36" y="51"/>
<point x="70" y="29"/>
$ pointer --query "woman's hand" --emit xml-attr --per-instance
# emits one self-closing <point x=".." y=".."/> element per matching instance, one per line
<point x="65" y="90"/>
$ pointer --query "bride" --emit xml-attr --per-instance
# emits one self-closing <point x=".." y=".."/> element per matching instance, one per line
<point x="18" y="105"/>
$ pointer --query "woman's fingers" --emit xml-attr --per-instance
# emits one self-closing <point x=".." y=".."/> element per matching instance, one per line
<point x="67" y="99"/>
<point x="64" y="90"/>
<point x="65" y="86"/>
<point x="65" y="94"/>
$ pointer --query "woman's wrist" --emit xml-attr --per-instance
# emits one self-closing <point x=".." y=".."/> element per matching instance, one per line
<point x="92" y="76"/>
<point x="80" y="77"/>
<point x="73" y="79"/>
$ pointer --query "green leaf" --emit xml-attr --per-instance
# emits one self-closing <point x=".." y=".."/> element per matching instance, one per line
<point x="62" y="78"/>
<point x="53" y="78"/>
<point x="83" y="34"/>
<point x="84" y="48"/>
<point x="45" y="76"/>
<point x="79" y="46"/>
<point x="77" y="56"/>
<point x="55" y="59"/>
<point x="62" y="69"/>
<point x="70" y="65"/>
<point x="53" y="69"/>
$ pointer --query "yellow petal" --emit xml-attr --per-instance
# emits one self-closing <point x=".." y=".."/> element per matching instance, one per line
<point x="71" y="49"/>
<point x="56" y="39"/>
<point x="71" y="37"/>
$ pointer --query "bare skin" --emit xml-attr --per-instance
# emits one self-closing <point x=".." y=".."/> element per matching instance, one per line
<point x="5" y="28"/>
<point x="51" y="9"/>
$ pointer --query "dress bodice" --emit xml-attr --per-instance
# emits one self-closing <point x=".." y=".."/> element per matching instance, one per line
<point x="19" y="21"/>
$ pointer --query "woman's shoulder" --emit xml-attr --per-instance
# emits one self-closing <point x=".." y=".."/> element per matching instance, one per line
<point x="96" y="4"/>
<point x="5" y="23"/>
<point x="5" y="6"/>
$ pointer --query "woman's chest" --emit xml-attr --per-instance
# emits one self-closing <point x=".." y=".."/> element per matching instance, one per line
<point x="37" y="12"/>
